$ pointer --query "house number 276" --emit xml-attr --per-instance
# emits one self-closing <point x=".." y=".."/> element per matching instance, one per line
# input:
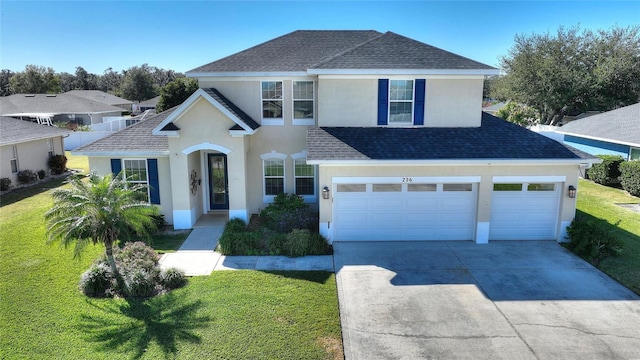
<point x="407" y="180"/>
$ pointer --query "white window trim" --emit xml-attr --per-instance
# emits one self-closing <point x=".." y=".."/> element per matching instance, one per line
<point x="273" y="155"/>
<point x="307" y="198"/>
<point x="146" y="169"/>
<point x="51" y="148"/>
<point x="413" y="98"/>
<point x="14" y="157"/>
<point x="271" y="121"/>
<point x="303" y="122"/>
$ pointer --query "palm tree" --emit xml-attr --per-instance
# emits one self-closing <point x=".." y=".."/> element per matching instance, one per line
<point x="98" y="211"/>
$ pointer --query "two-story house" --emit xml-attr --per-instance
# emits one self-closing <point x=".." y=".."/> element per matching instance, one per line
<point x="383" y="134"/>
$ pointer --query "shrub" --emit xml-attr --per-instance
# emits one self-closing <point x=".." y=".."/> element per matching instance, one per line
<point x="630" y="177"/>
<point x="5" y="184"/>
<point x="140" y="282"/>
<point x="301" y="242"/>
<point x="41" y="174"/>
<point x="276" y="243"/>
<point x="136" y="256"/>
<point x="606" y="173"/>
<point x="593" y="239"/>
<point x="96" y="280"/>
<point x="58" y="164"/>
<point x="282" y="203"/>
<point x="301" y="218"/>
<point x="236" y="239"/>
<point x="27" y="176"/>
<point x="172" y="278"/>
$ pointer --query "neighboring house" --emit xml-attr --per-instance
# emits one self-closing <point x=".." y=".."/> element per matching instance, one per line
<point x="52" y="108"/>
<point x="103" y="97"/>
<point x="615" y="132"/>
<point x="27" y="146"/>
<point x="383" y="134"/>
<point x="147" y="104"/>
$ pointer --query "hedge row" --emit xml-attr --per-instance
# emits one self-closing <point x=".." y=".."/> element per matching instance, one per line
<point x="614" y="171"/>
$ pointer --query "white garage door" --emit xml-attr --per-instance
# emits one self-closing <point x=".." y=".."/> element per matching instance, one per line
<point x="524" y="211"/>
<point x="404" y="211"/>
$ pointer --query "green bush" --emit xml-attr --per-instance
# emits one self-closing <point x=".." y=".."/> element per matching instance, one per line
<point x="630" y="177"/>
<point x="5" y="184"/>
<point x="58" y="164"/>
<point x="236" y="239"/>
<point x="27" y="176"/>
<point x="96" y="280"/>
<point x="41" y="174"/>
<point x="608" y="172"/>
<point x="593" y="239"/>
<point x="172" y="278"/>
<point x="288" y="212"/>
<point x="301" y="242"/>
<point x="141" y="283"/>
<point x="276" y="243"/>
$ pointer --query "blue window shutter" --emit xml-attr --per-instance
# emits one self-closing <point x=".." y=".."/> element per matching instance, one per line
<point x="418" y="103"/>
<point x="116" y="166"/>
<point x="154" y="182"/>
<point x="383" y="101"/>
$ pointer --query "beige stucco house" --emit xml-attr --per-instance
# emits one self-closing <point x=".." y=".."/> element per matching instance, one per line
<point x="25" y="145"/>
<point x="384" y="135"/>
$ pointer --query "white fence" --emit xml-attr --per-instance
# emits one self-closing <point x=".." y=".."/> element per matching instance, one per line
<point x="98" y="131"/>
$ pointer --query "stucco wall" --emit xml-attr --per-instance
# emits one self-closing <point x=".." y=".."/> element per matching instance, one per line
<point x="32" y="155"/>
<point x="453" y="102"/>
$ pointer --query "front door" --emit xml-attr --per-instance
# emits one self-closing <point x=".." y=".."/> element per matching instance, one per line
<point x="218" y="184"/>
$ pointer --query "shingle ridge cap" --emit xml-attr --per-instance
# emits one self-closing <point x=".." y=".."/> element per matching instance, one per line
<point x="350" y="49"/>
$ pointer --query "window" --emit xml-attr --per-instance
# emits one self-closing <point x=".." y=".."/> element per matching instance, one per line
<point x="14" y="159"/>
<point x="51" y="151"/>
<point x="272" y="99"/>
<point x="457" y="187"/>
<point x="135" y="171"/>
<point x="273" y="177"/>
<point x="634" y="154"/>
<point x="422" y="187"/>
<point x="507" y="187"/>
<point x="303" y="103"/>
<point x="541" y="187"/>
<point x="387" y="187"/>
<point x="351" y="187"/>
<point x="305" y="178"/>
<point x="401" y="102"/>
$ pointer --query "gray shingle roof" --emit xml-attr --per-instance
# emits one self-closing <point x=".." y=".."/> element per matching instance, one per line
<point x="14" y="131"/>
<point x="494" y="139"/>
<point x="618" y="126"/>
<point x="393" y="51"/>
<point x="136" y="138"/>
<point x="100" y="96"/>
<point x="303" y="50"/>
<point x="51" y="104"/>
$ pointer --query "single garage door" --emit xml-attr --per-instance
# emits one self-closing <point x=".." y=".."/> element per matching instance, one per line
<point x="524" y="211"/>
<point x="404" y="211"/>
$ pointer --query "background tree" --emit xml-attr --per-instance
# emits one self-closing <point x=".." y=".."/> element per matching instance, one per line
<point x="572" y="71"/>
<point x="518" y="113"/>
<point x="99" y="211"/>
<point x="85" y="80"/>
<point x="137" y="84"/>
<point x="35" y="80"/>
<point x="110" y="81"/>
<point x="5" y="77"/>
<point x="175" y="93"/>
<point x="67" y="81"/>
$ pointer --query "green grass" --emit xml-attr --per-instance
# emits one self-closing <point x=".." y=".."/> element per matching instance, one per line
<point x="77" y="162"/>
<point x="228" y="315"/>
<point x="600" y="202"/>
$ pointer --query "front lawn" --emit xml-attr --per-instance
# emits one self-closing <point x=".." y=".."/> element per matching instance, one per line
<point x="600" y="202"/>
<point x="228" y="315"/>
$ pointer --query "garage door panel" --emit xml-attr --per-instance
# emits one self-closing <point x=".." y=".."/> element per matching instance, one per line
<point x="524" y="215"/>
<point x="404" y="215"/>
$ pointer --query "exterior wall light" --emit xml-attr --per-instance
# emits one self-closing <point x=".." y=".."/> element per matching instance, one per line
<point x="325" y="192"/>
<point x="571" y="191"/>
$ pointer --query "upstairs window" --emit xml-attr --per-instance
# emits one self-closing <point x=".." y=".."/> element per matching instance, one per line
<point x="303" y="103"/>
<point x="401" y="102"/>
<point x="272" y="99"/>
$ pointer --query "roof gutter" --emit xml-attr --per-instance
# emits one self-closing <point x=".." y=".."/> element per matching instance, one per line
<point x="120" y="153"/>
<point x="458" y="162"/>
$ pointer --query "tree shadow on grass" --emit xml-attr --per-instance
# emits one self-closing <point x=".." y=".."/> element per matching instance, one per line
<point x="320" y="277"/>
<point x="131" y="326"/>
<point x="31" y="190"/>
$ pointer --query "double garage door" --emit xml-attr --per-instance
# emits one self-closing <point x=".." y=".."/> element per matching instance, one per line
<point x="427" y="209"/>
<point x="408" y="209"/>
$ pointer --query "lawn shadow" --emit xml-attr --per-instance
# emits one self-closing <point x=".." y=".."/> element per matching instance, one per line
<point x="28" y="191"/>
<point x="320" y="277"/>
<point x="131" y="326"/>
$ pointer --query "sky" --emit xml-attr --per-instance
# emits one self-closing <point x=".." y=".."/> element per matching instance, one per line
<point x="182" y="35"/>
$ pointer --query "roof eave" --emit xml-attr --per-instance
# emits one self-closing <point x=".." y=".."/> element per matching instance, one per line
<point x="456" y="162"/>
<point x="483" y="72"/>
<point x="120" y="153"/>
<point x="614" y="141"/>
<point x="247" y="74"/>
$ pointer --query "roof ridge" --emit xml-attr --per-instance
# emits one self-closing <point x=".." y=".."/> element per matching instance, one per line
<point x="351" y="48"/>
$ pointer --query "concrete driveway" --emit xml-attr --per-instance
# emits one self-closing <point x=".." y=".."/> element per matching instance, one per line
<point x="503" y="300"/>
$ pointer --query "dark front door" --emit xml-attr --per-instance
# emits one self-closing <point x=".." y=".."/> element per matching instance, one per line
<point x="218" y="184"/>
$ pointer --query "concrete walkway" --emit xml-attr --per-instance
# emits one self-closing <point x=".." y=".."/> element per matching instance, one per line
<point x="197" y="255"/>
